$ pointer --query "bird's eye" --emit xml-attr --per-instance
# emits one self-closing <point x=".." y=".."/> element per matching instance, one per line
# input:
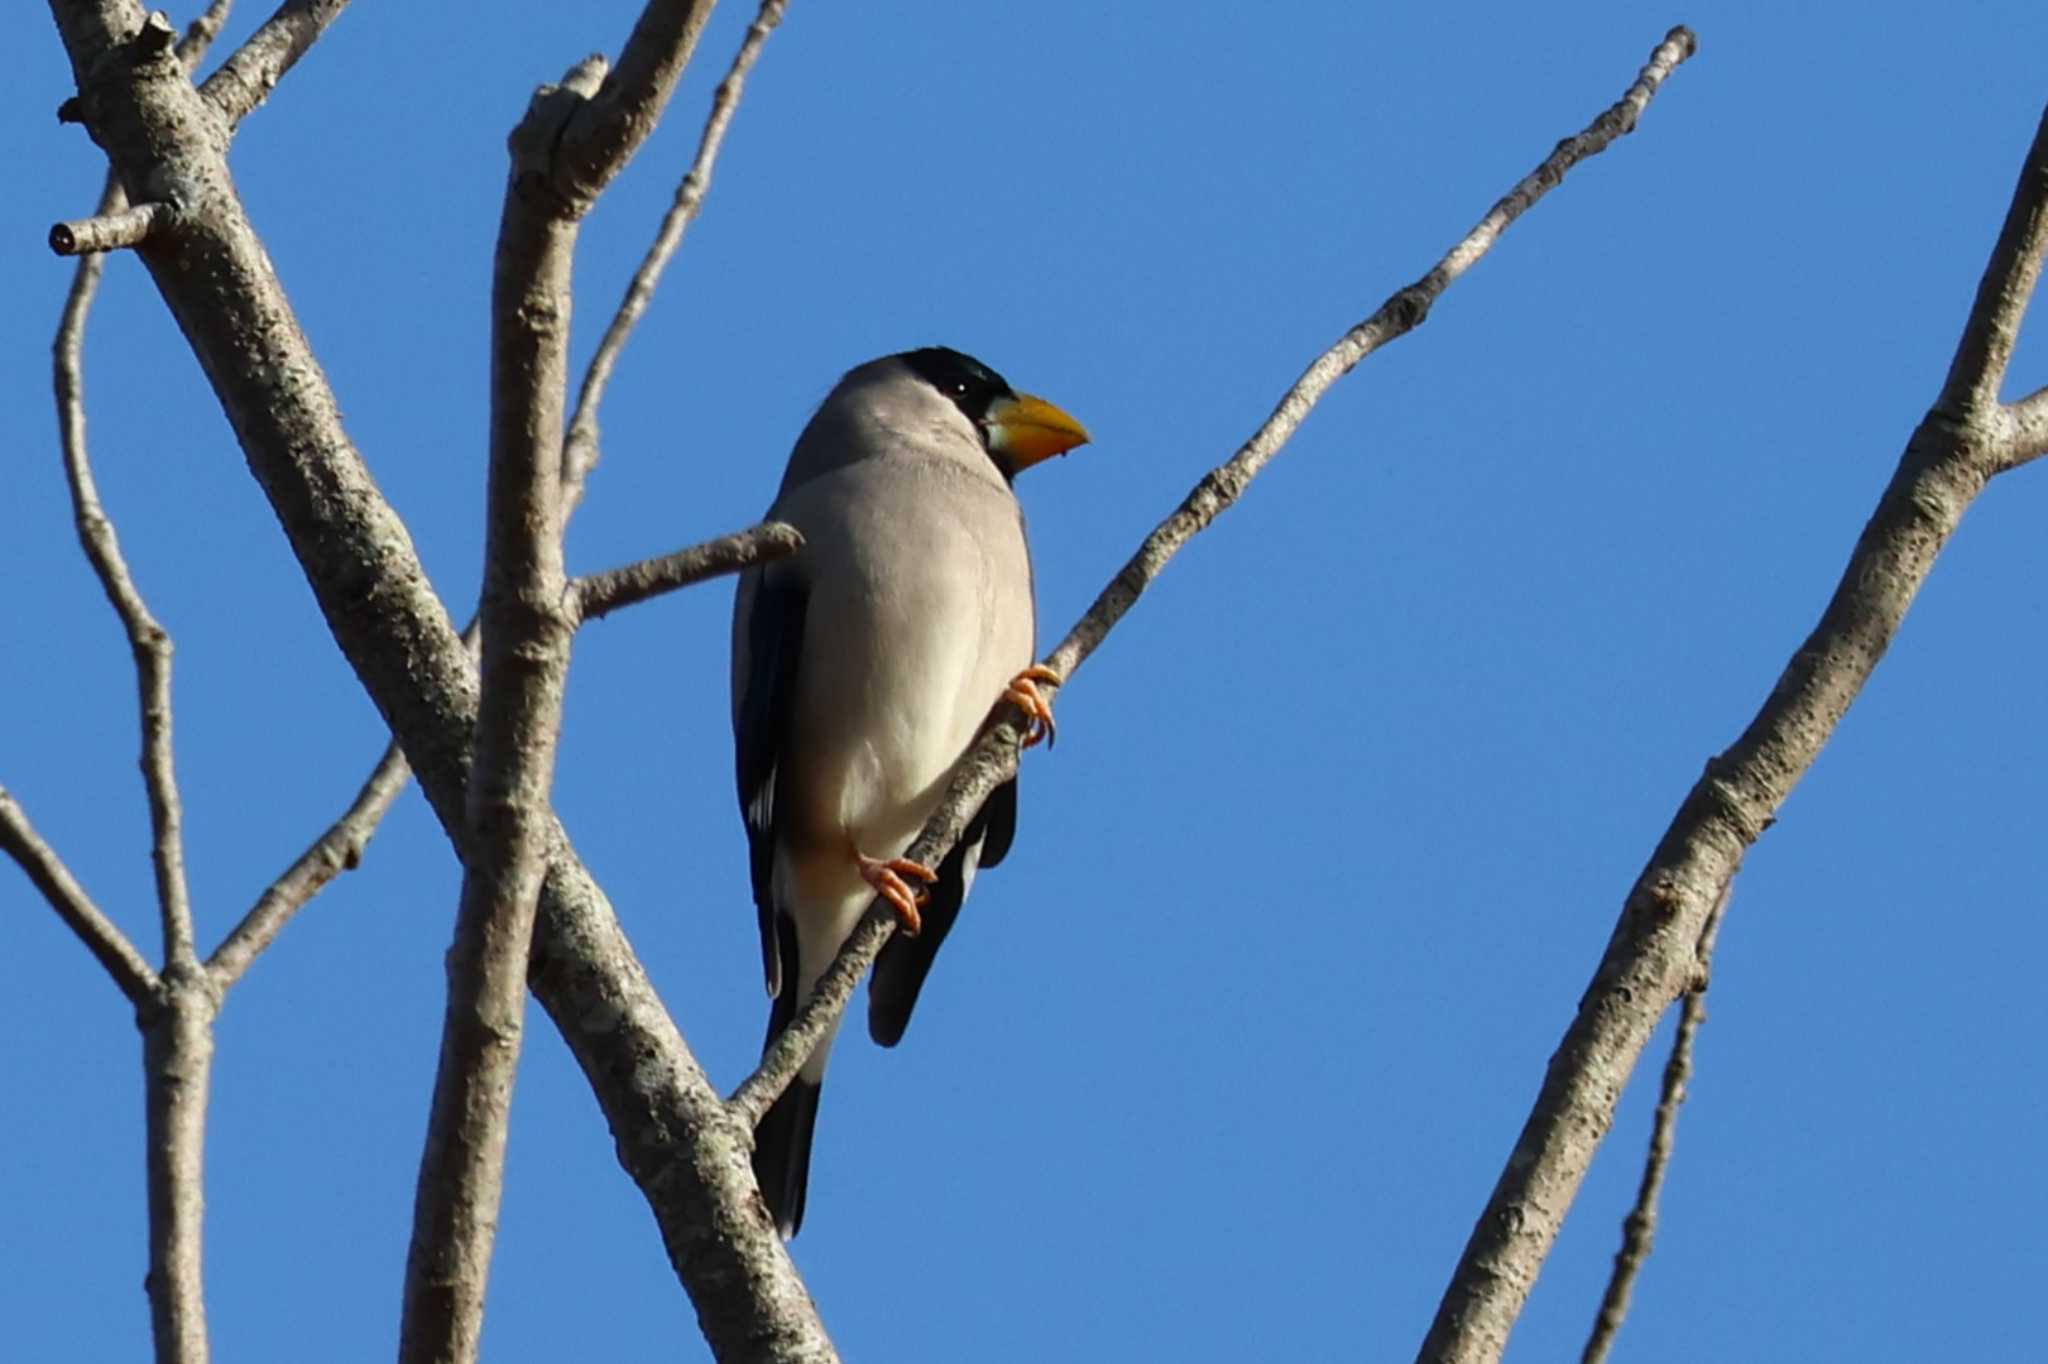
<point x="959" y="388"/>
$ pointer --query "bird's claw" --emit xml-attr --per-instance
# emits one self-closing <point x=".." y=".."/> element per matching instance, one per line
<point x="887" y="879"/>
<point x="1023" y="693"/>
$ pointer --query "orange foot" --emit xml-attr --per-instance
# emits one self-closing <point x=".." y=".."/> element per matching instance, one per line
<point x="887" y="879"/>
<point x="1023" y="693"/>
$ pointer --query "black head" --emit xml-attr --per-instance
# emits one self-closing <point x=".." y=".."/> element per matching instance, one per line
<point x="1016" y="429"/>
<point x="971" y="385"/>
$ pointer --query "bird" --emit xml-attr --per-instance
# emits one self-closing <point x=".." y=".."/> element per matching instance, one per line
<point x="863" y="668"/>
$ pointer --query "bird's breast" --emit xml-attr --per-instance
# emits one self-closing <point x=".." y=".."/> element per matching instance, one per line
<point x="908" y="643"/>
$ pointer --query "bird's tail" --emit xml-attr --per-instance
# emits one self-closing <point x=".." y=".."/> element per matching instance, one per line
<point x="782" y="1139"/>
<point x="782" y="1153"/>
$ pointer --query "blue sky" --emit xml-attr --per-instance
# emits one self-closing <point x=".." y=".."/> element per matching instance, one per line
<point x="1222" y="1062"/>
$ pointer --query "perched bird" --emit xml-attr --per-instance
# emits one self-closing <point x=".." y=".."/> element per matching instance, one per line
<point x="863" y="668"/>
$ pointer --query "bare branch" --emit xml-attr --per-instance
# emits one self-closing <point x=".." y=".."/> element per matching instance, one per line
<point x="673" y="1135"/>
<point x="337" y="850"/>
<point x="528" y="627"/>
<point x="107" y="226"/>
<point x="177" y="1058"/>
<point x="175" y="1011"/>
<point x="108" y="944"/>
<point x="147" y="641"/>
<point x="247" y="77"/>
<point x="2025" y="426"/>
<point x="1396" y="317"/>
<point x="993" y="760"/>
<point x="1639" y="1228"/>
<point x="613" y="123"/>
<point x="828" y="997"/>
<point x="573" y="141"/>
<point x="128" y="227"/>
<point x="582" y="451"/>
<point x="601" y="593"/>
<point x="1651" y="959"/>
<point x="1993" y="328"/>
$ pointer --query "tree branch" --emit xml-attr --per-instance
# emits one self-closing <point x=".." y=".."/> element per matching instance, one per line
<point x="599" y="594"/>
<point x="108" y="232"/>
<point x="2026" y="429"/>
<point x="674" y="1138"/>
<point x="828" y="998"/>
<point x="610" y="127"/>
<point x="1651" y="958"/>
<point x="1993" y="326"/>
<point x="177" y="1056"/>
<point x="993" y="760"/>
<point x="1639" y="1228"/>
<point x="108" y="944"/>
<point x="582" y="451"/>
<point x="114" y="225"/>
<point x="147" y="640"/>
<point x="528" y="627"/>
<point x="247" y="77"/>
<point x="175" y="1011"/>
<point x="337" y="850"/>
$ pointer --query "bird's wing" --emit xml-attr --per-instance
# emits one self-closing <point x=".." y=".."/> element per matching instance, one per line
<point x="1000" y="811"/>
<point x="768" y="637"/>
<point x="905" y="961"/>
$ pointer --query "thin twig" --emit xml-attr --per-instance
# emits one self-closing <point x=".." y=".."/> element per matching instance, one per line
<point x="108" y="944"/>
<point x="200" y="33"/>
<point x="600" y="593"/>
<point x="1639" y="1228"/>
<point x="822" y="1007"/>
<point x="147" y="641"/>
<point x="248" y="76"/>
<point x="337" y="850"/>
<point x="1985" y="349"/>
<point x="993" y="760"/>
<point x="1651" y="959"/>
<point x="176" y="1010"/>
<point x="582" y="452"/>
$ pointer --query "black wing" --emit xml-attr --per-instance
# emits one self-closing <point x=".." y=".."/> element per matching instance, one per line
<point x="905" y="961"/>
<point x="772" y="634"/>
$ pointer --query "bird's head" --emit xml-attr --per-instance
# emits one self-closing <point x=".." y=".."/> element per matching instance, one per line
<point x="1017" y="429"/>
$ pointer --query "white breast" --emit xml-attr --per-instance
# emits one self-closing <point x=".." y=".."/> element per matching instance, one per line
<point x="907" y="644"/>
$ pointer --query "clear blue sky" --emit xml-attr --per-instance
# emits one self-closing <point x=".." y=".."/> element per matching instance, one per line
<point x="1221" y="1064"/>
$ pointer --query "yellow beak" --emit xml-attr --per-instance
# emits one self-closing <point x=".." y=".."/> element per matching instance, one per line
<point x="1025" y="430"/>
